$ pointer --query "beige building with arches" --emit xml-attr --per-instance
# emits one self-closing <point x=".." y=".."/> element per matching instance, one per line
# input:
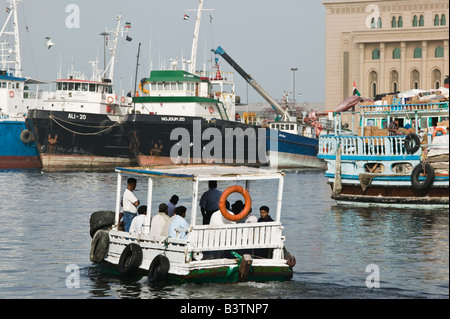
<point x="385" y="46"/>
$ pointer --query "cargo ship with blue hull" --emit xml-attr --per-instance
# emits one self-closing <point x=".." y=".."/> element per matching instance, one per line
<point x="17" y="142"/>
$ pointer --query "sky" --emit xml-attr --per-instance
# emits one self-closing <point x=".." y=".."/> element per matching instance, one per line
<point x="265" y="37"/>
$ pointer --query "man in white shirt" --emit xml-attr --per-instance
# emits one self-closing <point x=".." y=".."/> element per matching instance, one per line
<point x="130" y="203"/>
<point x="159" y="221"/>
<point x="178" y="223"/>
<point x="138" y="222"/>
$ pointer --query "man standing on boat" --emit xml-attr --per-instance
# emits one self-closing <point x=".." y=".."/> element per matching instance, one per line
<point x="130" y="203"/>
<point x="393" y="128"/>
<point x="209" y="202"/>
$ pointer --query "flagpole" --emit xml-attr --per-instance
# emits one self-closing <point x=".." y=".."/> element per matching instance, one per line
<point x="135" y="79"/>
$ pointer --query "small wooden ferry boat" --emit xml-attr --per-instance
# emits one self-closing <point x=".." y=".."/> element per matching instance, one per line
<point x="373" y="169"/>
<point x="234" y="252"/>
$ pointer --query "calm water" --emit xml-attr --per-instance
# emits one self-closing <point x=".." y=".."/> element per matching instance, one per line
<point x="44" y="227"/>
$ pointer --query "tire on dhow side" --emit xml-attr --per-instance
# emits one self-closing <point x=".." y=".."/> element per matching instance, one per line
<point x="99" y="246"/>
<point x="429" y="180"/>
<point x="412" y="143"/>
<point x="159" y="269"/>
<point x="101" y="220"/>
<point x="130" y="260"/>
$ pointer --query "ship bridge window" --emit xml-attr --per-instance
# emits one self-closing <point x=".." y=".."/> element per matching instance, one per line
<point x="85" y="87"/>
<point x="167" y="86"/>
<point x="3" y="85"/>
<point x="77" y="86"/>
<point x="153" y="86"/>
<point x="173" y="86"/>
<point x="160" y="86"/>
<point x="92" y="88"/>
<point x="180" y="86"/>
<point x="64" y="86"/>
<point x="71" y="86"/>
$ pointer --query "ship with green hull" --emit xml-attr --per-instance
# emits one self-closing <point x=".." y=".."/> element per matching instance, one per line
<point x="238" y="250"/>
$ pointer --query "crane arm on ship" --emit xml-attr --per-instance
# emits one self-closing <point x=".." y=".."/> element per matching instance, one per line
<point x="277" y="107"/>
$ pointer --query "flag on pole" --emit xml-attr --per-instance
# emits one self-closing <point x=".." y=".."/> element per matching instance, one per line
<point x="128" y="39"/>
<point x="355" y="90"/>
<point x="186" y="17"/>
<point x="8" y="10"/>
<point x="210" y="18"/>
<point x="127" y="25"/>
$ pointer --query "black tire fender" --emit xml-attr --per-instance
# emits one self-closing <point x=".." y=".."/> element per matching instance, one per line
<point x="27" y="137"/>
<point x="412" y="143"/>
<point x="130" y="259"/>
<point x="159" y="269"/>
<point x="99" y="246"/>
<point x="101" y="220"/>
<point x="430" y="176"/>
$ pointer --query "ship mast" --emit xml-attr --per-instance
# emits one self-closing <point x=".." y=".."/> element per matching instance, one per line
<point x="18" y="59"/>
<point x="196" y="33"/>
<point x="112" y="62"/>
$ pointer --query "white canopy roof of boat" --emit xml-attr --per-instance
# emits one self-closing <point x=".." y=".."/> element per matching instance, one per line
<point x="205" y="172"/>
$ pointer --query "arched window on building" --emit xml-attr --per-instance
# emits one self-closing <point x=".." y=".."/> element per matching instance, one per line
<point x="396" y="54"/>
<point x="394" y="22"/>
<point x="439" y="52"/>
<point x="414" y="21"/>
<point x="443" y="21"/>
<point x="418" y="53"/>
<point x="415" y="79"/>
<point x="372" y="23"/>
<point x="380" y="23"/>
<point x="393" y="81"/>
<point x="421" y="21"/>
<point x="376" y="54"/>
<point x="373" y="83"/>
<point x="436" y="20"/>
<point x="436" y="79"/>
<point x="400" y="22"/>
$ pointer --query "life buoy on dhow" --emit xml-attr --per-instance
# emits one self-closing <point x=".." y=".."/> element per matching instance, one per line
<point x="223" y="200"/>
<point x="439" y="129"/>
<point x="11" y="94"/>
<point x="110" y="99"/>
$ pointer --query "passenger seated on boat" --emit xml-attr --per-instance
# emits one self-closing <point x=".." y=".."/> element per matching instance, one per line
<point x="138" y="221"/>
<point x="159" y="221"/>
<point x="172" y="204"/>
<point x="265" y="217"/>
<point x="130" y="203"/>
<point x="178" y="223"/>
<point x="209" y="202"/>
<point x="217" y="218"/>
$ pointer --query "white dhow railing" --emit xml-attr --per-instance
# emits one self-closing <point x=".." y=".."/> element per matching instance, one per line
<point x="362" y="146"/>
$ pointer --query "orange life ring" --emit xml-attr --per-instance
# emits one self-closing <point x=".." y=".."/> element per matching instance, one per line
<point x="439" y="129"/>
<point x="110" y="99"/>
<point x="122" y="99"/>
<point x="11" y="94"/>
<point x="211" y="110"/>
<point x="223" y="200"/>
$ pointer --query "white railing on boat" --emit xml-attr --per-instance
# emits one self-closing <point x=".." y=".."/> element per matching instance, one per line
<point x="239" y="236"/>
<point x="438" y="107"/>
<point x="363" y="146"/>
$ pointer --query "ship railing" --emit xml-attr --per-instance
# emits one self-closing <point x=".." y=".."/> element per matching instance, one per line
<point x="362" y="146"/>
<point x="437" y="106"/>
